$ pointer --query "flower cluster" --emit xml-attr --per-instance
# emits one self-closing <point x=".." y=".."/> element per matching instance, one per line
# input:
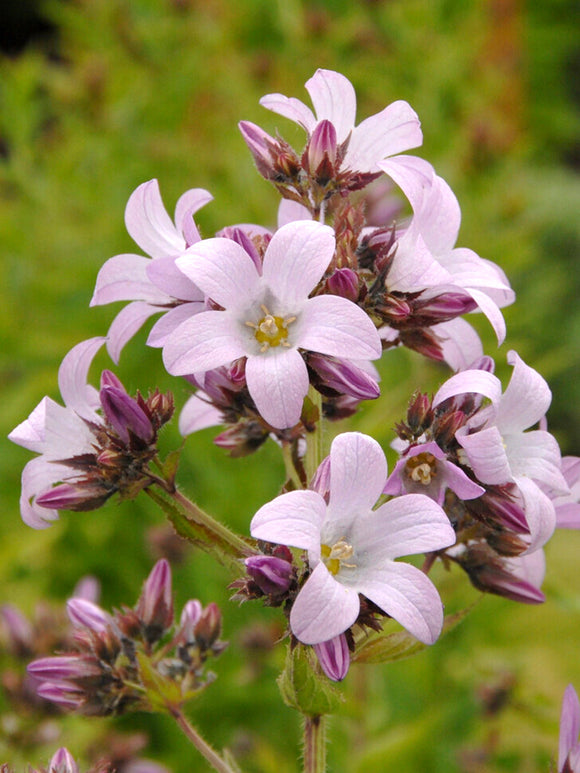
<point x="119" y="658"/>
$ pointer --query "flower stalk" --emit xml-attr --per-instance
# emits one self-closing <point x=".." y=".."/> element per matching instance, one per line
<point x="314" y="744"/>
<point x="214" y="759"/>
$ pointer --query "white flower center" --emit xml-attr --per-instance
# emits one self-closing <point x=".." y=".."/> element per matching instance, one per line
<point x="271" y="330"/>
<point x="334" y="556"/>
<point x="422" y="468"/>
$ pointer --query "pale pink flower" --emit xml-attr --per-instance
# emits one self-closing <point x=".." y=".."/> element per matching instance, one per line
<point x="569" y="746"/>
<point x="268" y="317"/>
<point x="352" y="547"/>
<point x="393" y="130"/>
<point x="152" y="284"/>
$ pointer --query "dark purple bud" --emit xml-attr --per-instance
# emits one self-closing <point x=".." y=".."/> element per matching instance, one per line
<point x="63" y="762"/>
<point x="155" y="605"/>
<point x="80" y="498"/>
<point x="344" y="282"/>
<point x="83" y="613"/>
<point x="444" y="307"/>
<point x="420" y="413"/>
<point x="271" y="574"/>
<point x="344" y="377"/>
<point x="262" y="147"/>
<point x="334" y="657"/>
<point x="125" y="414"/>
<point x="320" y="156"/>
<point x="108" y="379"/>
<point x="396" y="309"/>
<point x="208" y="627"/>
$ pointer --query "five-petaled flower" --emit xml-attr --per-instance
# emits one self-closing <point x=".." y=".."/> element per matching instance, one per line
<point x="268" y="317"/>
<point x="352" y="548"/>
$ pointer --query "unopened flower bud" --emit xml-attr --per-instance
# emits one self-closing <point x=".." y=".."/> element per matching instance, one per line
<point x="320" y="155"/>
<point x="64" y="668"/>
<point x="271" y="574"/>
<point x="63" y="694"/>
<point x="420" y="413"/>
<point x="125" y="414"/>
<point x="443" y="307"/>
<point x="155" y="605"/>
<point x="262" y="147"/>
<point x="334" y="657"/>
<point x="208" y="627"/>
<point x="344" y="377"/>
<point x="190" y="616"/>
<point x="63" y="762"/>
<point x="83" y="613"/>
<point x="344" y="282"/>
<point x="78" y="497"/>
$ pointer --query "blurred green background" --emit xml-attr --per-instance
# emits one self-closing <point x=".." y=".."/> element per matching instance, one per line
<point x="110" y="93"/>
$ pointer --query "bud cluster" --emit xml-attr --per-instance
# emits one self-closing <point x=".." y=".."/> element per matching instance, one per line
<point x="133" y="658"/>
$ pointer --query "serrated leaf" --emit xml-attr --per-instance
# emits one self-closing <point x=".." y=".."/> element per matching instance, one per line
<point x="304" y="689"/>
<point x="170" y="465"/>
<point x="387" y="647"/>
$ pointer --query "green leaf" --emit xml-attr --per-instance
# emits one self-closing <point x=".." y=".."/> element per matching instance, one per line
<point x="170" y="465"/>
<point x="302" y="686"/>
<point x="386" y="647"/>
<point x="162" y="693"/>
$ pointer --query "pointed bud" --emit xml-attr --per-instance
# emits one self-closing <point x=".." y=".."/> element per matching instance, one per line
<point x="79" y="498"/>
<point x="88" y="588"/>
<point x="125" y="414"/>
<point x="262" y="147"/>
<point x="334" y="657"/>
<point x="190" y="617"/>
<point x="344" y="282"/>
<point x="155" y="605"/>
<point x="420" y="413"/>
<point x="445" y="426"/>
<point x="320" y="156"/>
<point x="208" y="627"/>
<point x="61" y="693"/>
<point x="344" y="377"/>
<point x="64" y="668"/>
<point x="442" y="308"/>
<point x="63" y="762"/>
<point x="84" y="614"/>
<point x="271" y="574"/>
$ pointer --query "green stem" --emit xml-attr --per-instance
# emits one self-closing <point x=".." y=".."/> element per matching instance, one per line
<point x="200" y="744"/>
<point x="314" y="744"/>
<point x="291" y="471"/>
<point x="315" y="440"/>
<point x="196" y="526"/>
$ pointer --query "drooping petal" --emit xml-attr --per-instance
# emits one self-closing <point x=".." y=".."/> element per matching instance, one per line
<point x="124" y="278"/>
<point x="491" y="310"/>
<point x="293" y="519"/>
<point x="358" y="471"/>
<point x="171" y="320"/>
<point x="164" y="274"/>
<point x="204" y="342"/>
<point x="460" y="342"/>
<point x="72" y="377"/>
<point x="128" y="322"/>
<point x="404" y="526"/>
<point x="478" y="381"/>
<point x="198" y="414"/>
<point x="30" y="433"/>
<point x="66" y="433"/>
<point x="536" y="454"/>
<point x="404" y="592"/>
<point x="539" y="511"/>
<point x="37" y="476"/>
<point x="412" y="174"/>
<point x="323" y="609"/>
<point x="526" y="399"/>
<point x="334" y="100"/>
<point x="148" y="223"/>
<point x="278" y="383"/>
<point x="395" y="129"/>
<point x="188" y="204"/>
<point x="291" y="108"/>
<point x="487" y="455"/>
<point x="296" y="259"/>
<point x="222" y="270"/>
<point x="332" y="325"/>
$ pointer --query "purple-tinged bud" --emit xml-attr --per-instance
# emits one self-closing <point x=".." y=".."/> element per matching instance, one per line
<point x="320" y="156"/>
<point x="63" y="762"/>
<point x="239" y="236"/>
<point x="420" y="413"/>
<point x="155" y="605"/>
<point x="19" y="630"/>
<point x="262" y="147"/>
<point x="63" y="694"/>
<point x="109" y="379"/>
<point x="446" y="425"/>
<point x="84" y="614"/>
<point x="344" y="377"/>
<point x="444" y="307"/>
<point x="334" y="657"/>
<point x="271" y="574"/>
<point x="190" y="617"/>
<point x="396" y="309"/>
<point x="88" y="588"/>
<point x="344" y="282"/>
<point x="80" y="498"/>
<point x="209" y="627"/>
<point x="492" y="574"/>
<point x="125" y="415"/>
<point x="64" y="667"/>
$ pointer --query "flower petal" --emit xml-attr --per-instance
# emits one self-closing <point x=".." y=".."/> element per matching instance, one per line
<point x="188" y="204"/>
<point x="291" y="108"/>
<point x="334" y="100"/>
<point x="536" y="454"/>
<point x="171" y="320"/>
<point x="526" y="399"/>
<point x="406" y="594"/>
<point x="37" y="476"/>
<point x="323" y="609"/>
<point x="164" y="275"/>
<point x="293" y="519"/>
<point x="124" y="278"/>
<point x="127" y="322"/>
<point x="393" y="130"/>
<point x="148" y="223"/>
<point x="296" y="259"/>
<point x="539" y="511"/>
<point x="336" y="326"/>
<point x="30" y="433"/>
<point x="278" y="383"/>
<point x="487" y="455"/>
<point x="569" y="725"/>
<point x="72" y="377"/>
<point x="198" y="414"/>
<point x="478" y="381"/>
<point x="222" y="270"/>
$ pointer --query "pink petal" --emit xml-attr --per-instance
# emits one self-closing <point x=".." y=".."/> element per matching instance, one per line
<point x="127" y="322"/>
<point x="222" y="270"/>
<point x="395" y="129"/>
<point x="460" y="483"/>
<point x="487" y="455"/>
<point x="170" y="321"/>
<point x="30" y="433"/>
<point x="409" y="524"/>
<point x="334" y="99"/>
<point x="198" y="414"/>
<point x="413" y="175"/>
<point x="66" y="433"/>
<point x="293" y="519"/>
<point x="291" y="108"/>
<point x="37" y="476"/>
<point x="526" y="398"/>
<point x="124" y="278"/>
<point x="166" y="277"/>
<point x="539" y="512"/>
<point x="72" y="377"/>
<point x="278" y="383"/>
<point x="188" y="204"/>
<point x="148" y="223"/>
<point x="569" y="725"/>
<point x="414" y="268"/>
<point x="490" y="309"/>
<point x="332" y="325"/>
<point x="536" y="454"/>
<point x="478" y="381"/>
<point x="439" y="217"/>
<point x="408" y="595"/>
<point x="291" y="211"/>
<point x="204" y="342"/>
<point x="358" y="471"/>
<point x="461" y="344"/>
<point x="296" y="259"/>
<point x="323" y="609"/>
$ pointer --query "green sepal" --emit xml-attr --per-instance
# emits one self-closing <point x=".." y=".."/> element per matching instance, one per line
<point x="162" y="693"/>
<point x="170" y="464"/>
<point x="303" y="687"/>
<point x="384" y="647"/>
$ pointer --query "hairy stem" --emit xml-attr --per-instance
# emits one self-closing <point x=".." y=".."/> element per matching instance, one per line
<point x="314" y="744"/>
<point x="202" y="746"/>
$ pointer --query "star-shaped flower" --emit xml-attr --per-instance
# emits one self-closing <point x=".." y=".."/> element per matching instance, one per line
<point x="269" y="317"/>
<point x="352" y="548"/>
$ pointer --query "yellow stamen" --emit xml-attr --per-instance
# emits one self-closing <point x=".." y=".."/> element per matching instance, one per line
<point x="422" y="468"/>
<point x="334" y="557"/>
